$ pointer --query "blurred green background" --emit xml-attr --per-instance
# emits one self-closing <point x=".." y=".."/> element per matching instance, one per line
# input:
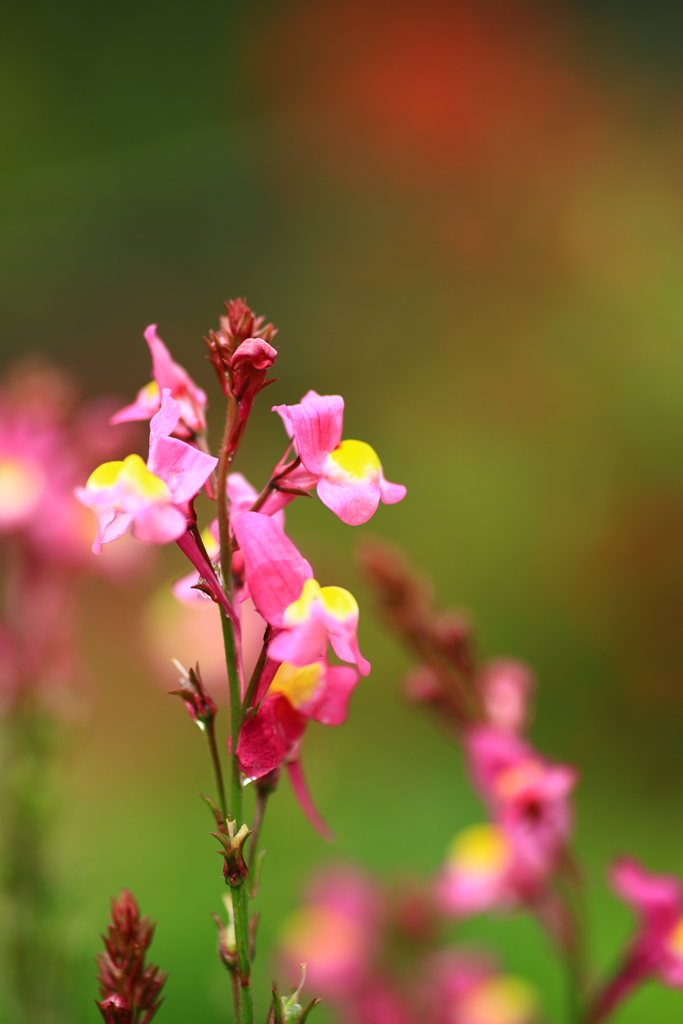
<point x="468" y="219"/>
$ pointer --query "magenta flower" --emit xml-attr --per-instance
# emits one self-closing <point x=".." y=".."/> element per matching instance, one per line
<point x="317" y="692"/>
<point x="528" y="797"/>
<point x="151" y="499"/>
<point x="350" y="480"/>
<point x="191" y="399"/>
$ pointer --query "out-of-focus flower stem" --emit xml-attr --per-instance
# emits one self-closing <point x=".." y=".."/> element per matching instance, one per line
<point x="33" y="951"/>
<point x="235" y="807"/>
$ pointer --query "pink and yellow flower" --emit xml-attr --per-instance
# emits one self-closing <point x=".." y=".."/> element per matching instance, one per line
<point x="350" y="479"/>
<point x="527" y="796"/>
<point x="150" y="498"/>
<point x="167" y="373"/>
<point x="478" y="873"/>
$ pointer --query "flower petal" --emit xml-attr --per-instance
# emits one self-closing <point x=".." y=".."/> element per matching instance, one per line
<point x="330" y="703"/>
<point x="276" y="571"/>
<point x="316" y="426"/>
<point x="159" y="524"/>
<point x="390" y="493"/>
<point x="354" y="501"/>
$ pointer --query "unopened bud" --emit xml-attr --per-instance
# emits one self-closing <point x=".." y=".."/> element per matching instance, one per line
<point x="198" y="701"/>
<point x="235" y="869"/>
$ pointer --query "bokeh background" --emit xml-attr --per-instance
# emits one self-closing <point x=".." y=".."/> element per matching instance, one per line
<point x="467" y="218"/>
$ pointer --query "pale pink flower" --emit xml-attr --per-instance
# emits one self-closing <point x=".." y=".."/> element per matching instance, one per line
<point x="335" y="933"/>
<point x="528" y="797"/>
<point x="350" y="479"/>
<point x="151" y="499"/>
<point x="479" y="872"/>
<point x="468" y="988"/>
<point x="506" y="686"/>
<point x="191" y="399"/>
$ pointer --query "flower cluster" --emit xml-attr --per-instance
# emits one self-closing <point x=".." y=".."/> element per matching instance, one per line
<point x="349" y="931"/>
<point x="292" y="649"/>
<point x="130" y="989"/>
<point x="521" y="857"/>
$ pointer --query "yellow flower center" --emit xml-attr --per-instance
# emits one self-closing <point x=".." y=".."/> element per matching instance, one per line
<point x="502" y="1000"/>
<point x="336" y="601"/>
<point x="21" y="484"/>
<point x="675" y="939"/>
<point x="356" y="459"/>
<point x="479" y="850"/>
<point x="296" y="684"/>
<point x="132" y="474"/>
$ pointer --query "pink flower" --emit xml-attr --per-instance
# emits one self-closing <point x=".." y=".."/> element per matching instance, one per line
<point x="350" y="480"/>
<point x="335" y="933"/>
<point x="191" y="399"/>
<point x="153" y="498"/>
<point x="528" y="797"/>
<point x="658" y="902"/>
<point x="479" y="872"/>
<point x="242" y="496"/>
<point x="467" y="988"/>
<point x="318" y="692"/>
<point x="320" y="614"/>
<point x="506" y="686"/>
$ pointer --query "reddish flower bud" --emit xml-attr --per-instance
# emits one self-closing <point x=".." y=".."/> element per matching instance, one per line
<point x="198" y="700"/>
<point x="129" y="988"/>
<point x="115" y="1010"/>
<point x="236" y="328"/>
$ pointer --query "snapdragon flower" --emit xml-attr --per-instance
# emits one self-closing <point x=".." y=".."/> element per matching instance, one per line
<point x="150" y="498"/>
<point x="350" y="479"/>
<point x="478" y="873"/>
<point x="192" y="401"/>
<point x="528" y="797"/>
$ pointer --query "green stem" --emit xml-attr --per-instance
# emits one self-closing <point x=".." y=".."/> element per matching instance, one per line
<point x="261" y="801"/>
<point x="240" y="906"/>
<point x="235" y="811"/>
<point x="210" y="732"/>
<point x="254" y="681"/>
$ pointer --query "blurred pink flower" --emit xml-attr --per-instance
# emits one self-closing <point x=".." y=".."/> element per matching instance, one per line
<point x="468" y="988"/>
<point x="528" y="797"/>
<point x="350" y="479"/>
<point x="479" y="872"/>
<point x="335" y="933"/>
<point x="191" y="399"/>
<point x="506" y="687"/>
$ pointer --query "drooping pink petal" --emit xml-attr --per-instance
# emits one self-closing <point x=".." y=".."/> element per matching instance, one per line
<point x="146" y="404"/>
<point x="330" y="704"/>
<point x="159" y="524"/>
<point x="354" y="501"/>
<point x="346" y="648"/>
<point x="647" y="893"/>
<point x="169" y="374"/>
<point x="275" y="569"/>
<point x="164" y="422"/>
<point x="301" y="645"/>
<point x="390" y="493"/>
<point x="183" y="469"/>
<point x="300" y="788"/>
<point x="316" y="426"/>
